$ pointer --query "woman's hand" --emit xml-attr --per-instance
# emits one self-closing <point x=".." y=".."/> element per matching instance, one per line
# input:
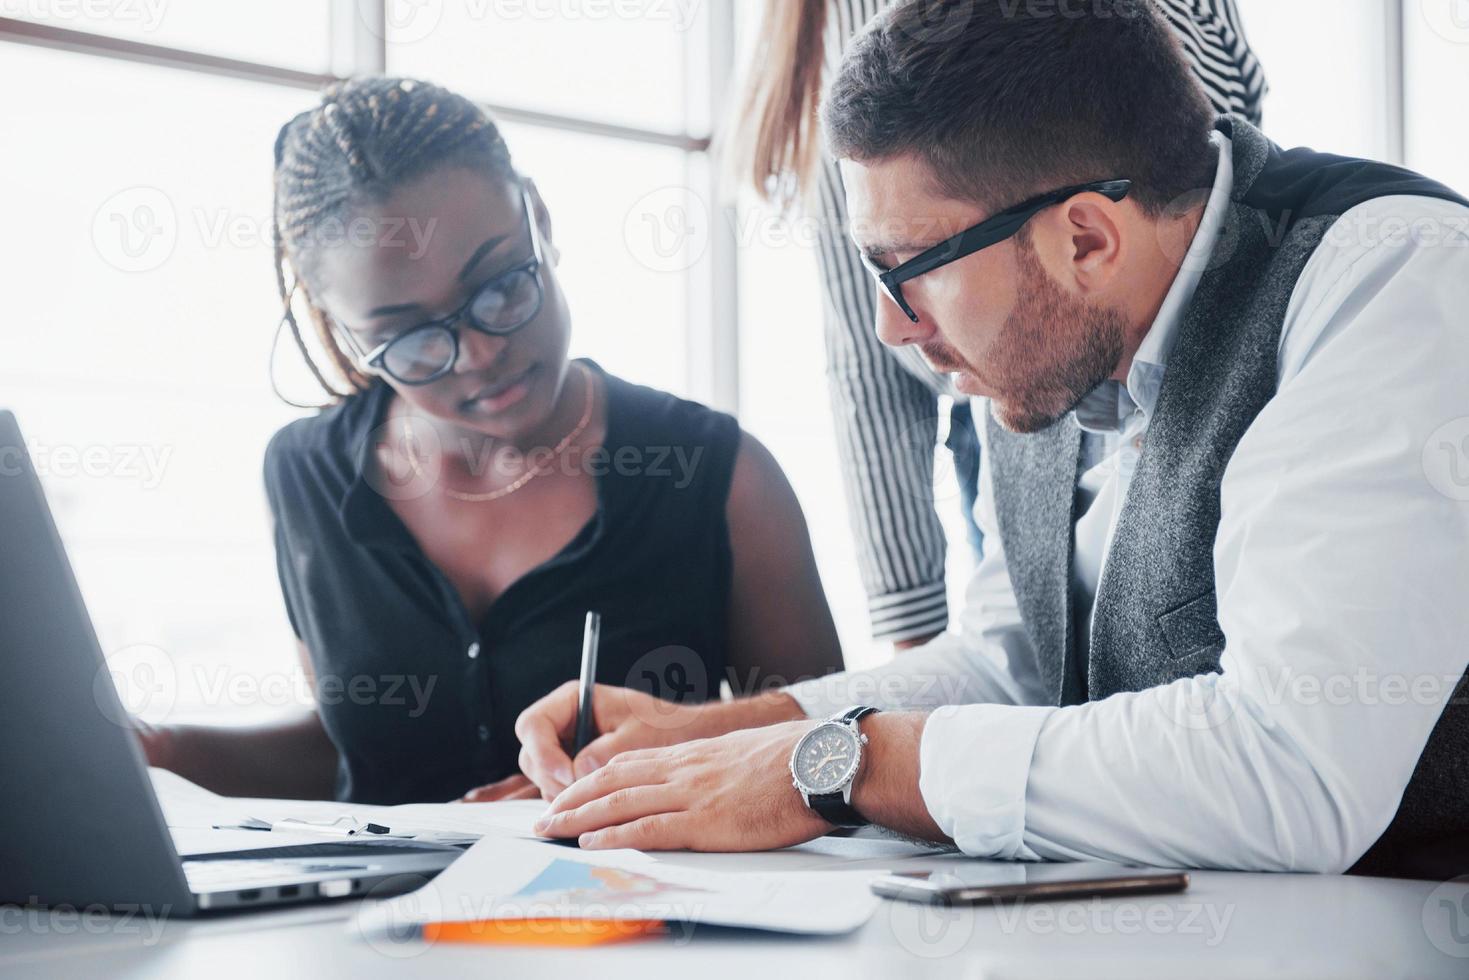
<point x="626" y="719"/>
<point x="515" y="787"/>
<point x="158" y="743"/>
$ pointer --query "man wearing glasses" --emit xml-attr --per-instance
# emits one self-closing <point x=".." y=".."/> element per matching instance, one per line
<point x="1223" y="620"/>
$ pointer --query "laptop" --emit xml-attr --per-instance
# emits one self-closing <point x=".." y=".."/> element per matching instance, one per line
<point x="80" y="825"/>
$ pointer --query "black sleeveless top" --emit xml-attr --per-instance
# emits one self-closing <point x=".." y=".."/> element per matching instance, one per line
<point x="419" y="700"/>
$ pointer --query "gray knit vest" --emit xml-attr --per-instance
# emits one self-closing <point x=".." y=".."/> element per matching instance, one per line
<point x="1155" y="617"/>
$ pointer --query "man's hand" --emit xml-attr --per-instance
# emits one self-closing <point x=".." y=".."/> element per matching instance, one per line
<point x="626" y="719"/>
<point x="734" y="792"/>
<point x="730" y="793"/>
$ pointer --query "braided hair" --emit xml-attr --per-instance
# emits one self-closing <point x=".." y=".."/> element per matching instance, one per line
<point x="368" y="137"/>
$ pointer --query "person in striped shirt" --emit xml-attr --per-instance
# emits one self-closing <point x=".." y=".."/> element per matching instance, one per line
<point x="887" y="402"/>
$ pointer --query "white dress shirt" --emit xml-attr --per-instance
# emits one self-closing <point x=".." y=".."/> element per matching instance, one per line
<point x="1342" y="574"/>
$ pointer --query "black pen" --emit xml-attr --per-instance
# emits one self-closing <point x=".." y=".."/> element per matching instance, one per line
<point x="586" y="724"/>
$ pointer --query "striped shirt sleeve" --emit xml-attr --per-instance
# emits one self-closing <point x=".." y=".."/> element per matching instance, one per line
<point x="886" y="404"/>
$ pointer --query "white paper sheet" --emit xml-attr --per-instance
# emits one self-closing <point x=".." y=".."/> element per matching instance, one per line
<point x="189" y="807"/>
<point x="508" y="878"/>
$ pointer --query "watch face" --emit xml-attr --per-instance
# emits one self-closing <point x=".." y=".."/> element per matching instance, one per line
<point x="825" y="758"/>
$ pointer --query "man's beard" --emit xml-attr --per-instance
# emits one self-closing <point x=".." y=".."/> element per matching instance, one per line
<point x="1051" y="352"/>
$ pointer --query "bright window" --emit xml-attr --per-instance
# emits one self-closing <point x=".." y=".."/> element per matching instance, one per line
<point x="142" y="301"/>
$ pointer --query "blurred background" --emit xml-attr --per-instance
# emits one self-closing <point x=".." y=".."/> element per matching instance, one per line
<point x="141" y="302"/>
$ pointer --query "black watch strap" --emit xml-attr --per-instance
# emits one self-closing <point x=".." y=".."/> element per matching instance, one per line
<point x="832" y="807"/>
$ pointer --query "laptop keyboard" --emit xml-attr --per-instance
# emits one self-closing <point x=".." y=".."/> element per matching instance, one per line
<point x="239" y="874"/>
<point x="310" y="851"/>
<point x="242" y="869"/>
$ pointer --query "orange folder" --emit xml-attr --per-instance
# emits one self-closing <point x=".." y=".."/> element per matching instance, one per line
<point x="543" y="932"/>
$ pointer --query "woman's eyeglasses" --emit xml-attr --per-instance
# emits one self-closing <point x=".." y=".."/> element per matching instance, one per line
<point x="425" y="353"/>
<point x="989" y="232"/>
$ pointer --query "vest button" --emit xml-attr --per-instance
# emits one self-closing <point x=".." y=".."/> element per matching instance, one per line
<point x="483" y="732"/>
<point x="473" y="651"/>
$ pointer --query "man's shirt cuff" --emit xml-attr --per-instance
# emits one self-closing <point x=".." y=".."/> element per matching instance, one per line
<point x="974" y="765"/>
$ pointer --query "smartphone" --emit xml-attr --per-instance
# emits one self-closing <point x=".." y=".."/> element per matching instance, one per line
<point x="979" y="883"/>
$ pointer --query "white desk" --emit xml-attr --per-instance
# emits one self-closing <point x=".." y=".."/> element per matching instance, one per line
<point x="1225" y="925"/>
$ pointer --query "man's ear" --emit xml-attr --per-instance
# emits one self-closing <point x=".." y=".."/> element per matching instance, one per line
<point x="542" y="217"/>
<point x="1088" y="239"/>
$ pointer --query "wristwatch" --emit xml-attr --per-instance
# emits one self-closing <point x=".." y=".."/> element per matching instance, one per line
<point x="824" y="765"/>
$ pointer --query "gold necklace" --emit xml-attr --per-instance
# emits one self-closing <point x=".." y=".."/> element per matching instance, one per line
<point x="529" y="475"/>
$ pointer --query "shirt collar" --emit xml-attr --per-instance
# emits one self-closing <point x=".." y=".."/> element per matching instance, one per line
<point x="1109" y="405"/>
<point x="364" y="509"/>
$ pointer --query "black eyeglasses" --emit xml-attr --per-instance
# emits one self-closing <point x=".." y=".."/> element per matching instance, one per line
<point x="425" y="353"/>
<point x="989" y="232"/>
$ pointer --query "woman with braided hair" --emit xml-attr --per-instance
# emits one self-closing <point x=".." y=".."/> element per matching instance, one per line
<point x="443" y="527"/>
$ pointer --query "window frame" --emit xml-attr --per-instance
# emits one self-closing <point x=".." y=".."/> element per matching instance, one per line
<point x="358" y="47"/>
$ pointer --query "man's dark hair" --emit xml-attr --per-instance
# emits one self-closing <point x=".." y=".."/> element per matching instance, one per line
<point x="1004" y="99"/>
